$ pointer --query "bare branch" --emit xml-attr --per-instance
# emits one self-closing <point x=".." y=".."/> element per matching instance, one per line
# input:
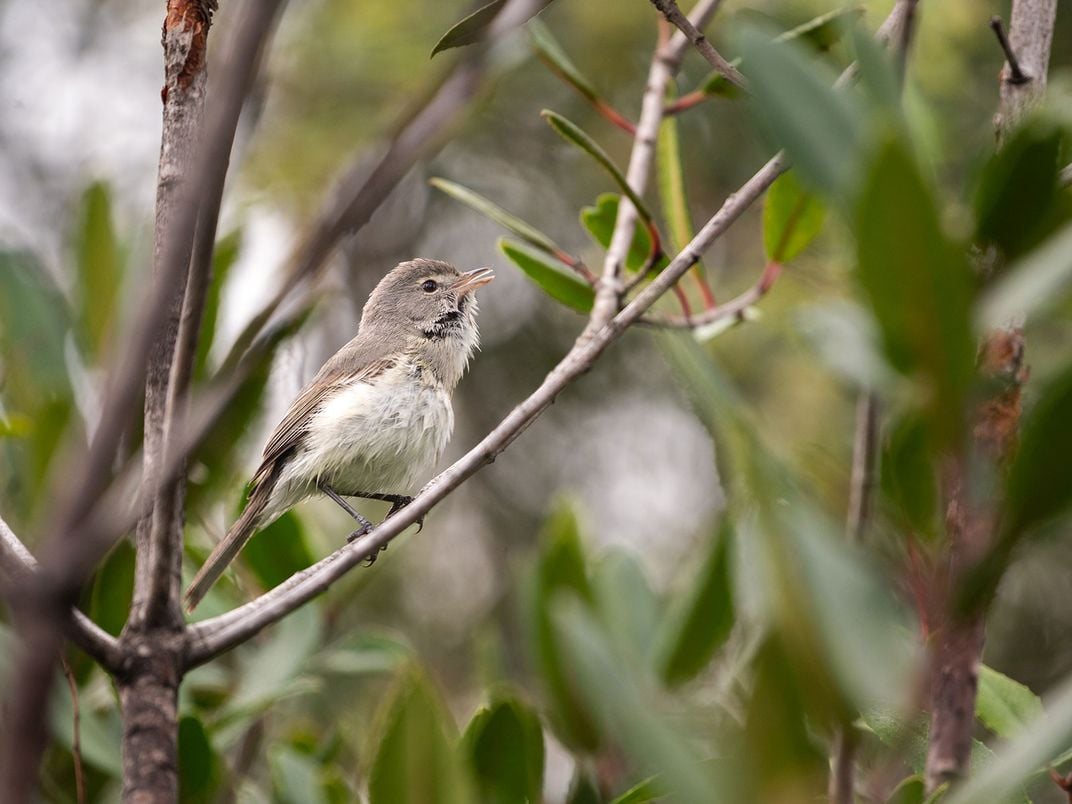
<point x="862" y="481"/>
<point x="1029" y="41"/>
<point x="217" y="635"/>
<point x="670" y="10"/>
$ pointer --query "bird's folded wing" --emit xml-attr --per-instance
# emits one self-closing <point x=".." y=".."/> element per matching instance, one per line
<point x="295" y="424"/>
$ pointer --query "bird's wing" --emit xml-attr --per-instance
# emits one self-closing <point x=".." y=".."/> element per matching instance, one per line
<point x="331" y="378"/>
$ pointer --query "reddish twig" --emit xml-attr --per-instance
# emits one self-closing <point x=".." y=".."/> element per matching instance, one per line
<point x="76" y="735"/>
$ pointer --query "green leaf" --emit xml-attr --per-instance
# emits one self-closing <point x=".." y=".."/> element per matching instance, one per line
<point x="845" y="337"/>
<point x="671" y="182"/>
<point x="623" y="703"/>
<point x="504" y="744"/>
<point x="1033" y="286"/>
<point x="1038" y="487"/>
<point x="583" y="788"/>
<point x="1017" y="196"/>
<point x="919" y="286"/>
<point x="561" y="570"/>
<point x="414" y="761"/>
<point x="100" y="732"/>
<point x="113" y="589"/>
<point x="1033" y="748"/>
<point x="278" y="551"/>
<point x="793" y="100"/>
<point x="878" y="76"/>
<point x="296" y="777"/>
<point x="548" y="49"/>
<point x="223" y="258"/>
<point x="1003" y="705"/>
<point x="792" y="219"/>
<point x="100" y="265"/>
<point x="599" y="220"/>
<point x="572" y="133"/>
<point x="702" y="618"/>
<point x="489" y="209"/>
<point x="907" y="477"/>
<point x="911" y="790"/>
<point x="198" y="764"/>
<point x="627" y="603"/>
<point x="641" y="793"/>
<point x="362" y="654"/>
<point x="557" y="282"/>
<point x="476" y="26"/>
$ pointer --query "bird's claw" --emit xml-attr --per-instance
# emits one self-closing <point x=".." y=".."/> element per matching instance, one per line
<point x="370" y="560"/>
<point x="364" y="530"/>
<point x="398" y="505"/>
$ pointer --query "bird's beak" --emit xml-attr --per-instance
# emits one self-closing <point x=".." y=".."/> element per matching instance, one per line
<point x="471" y="280"/>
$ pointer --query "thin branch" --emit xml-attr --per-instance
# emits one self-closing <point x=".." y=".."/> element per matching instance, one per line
<point x="209" y="638"/>
<point x="1016" y="75"/>
<point x="664" y="64"/>
<point x="862" y="481"/>
<point x="76" y="735"/>
<point x="673" y="14"/>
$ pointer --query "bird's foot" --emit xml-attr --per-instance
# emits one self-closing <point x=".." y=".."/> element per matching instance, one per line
<point x="364" y="530"/>
<point x="397" y="504"/>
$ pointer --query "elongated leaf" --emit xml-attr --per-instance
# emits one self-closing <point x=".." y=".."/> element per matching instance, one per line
<point x="490" y="209"/>
<point x="919" y="286"/>
<point x="561" y="571"/>
<point x="1018" y="190"/>
<point x="362" y="654"/>
<point x="822" y="130"/>
<point x="100" y="265"/>
<point x="475" y="27"/>
<point x="551" y="276"/>
<point x="572" y="133"/>
<point x="504" y="746"/>
<point x="599" y="220"/>
<point x="198" y="763"/>
<point x="113" y="588"/>
<point x="547" y="47"/>
<point x="908" y="481"/>
<point x="627" y="604"/>
<point x="702" y="618"/>
<point x="673" y="196"/>
<point x="640" y="793"/>
<point x="223" y="258"/>
<point x="296" y="777"/>
<point x="1003" y="705"/>
<point x="414" y="760"/>
<point x="792" y="219"/>
<point x="1033" y="286"/>
<point x="278" y="551"/>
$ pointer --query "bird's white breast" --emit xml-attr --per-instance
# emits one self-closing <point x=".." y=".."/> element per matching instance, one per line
<point x="377" y="436"/>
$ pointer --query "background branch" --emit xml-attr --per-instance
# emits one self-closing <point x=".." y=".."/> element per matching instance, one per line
<point x="670" y="10"/>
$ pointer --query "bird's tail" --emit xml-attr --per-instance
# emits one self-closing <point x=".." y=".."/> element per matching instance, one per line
<point x="241" y="531"/>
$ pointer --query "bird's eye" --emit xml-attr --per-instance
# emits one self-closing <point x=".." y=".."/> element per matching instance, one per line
<point x="429" y="286"/>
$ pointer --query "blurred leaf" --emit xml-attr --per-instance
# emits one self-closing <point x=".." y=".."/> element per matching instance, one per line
<point x="557" y="282"/>
<point x="919" y="285"/>
<point x="561" y="568"/>
<point x="504" y="744"/>
<point x="1037" y="487"/>
<point x="642" y="793"/>
<point x="531" y="235"/>
<point x="583" y="788"/>
<point x="845" y="337"/>
<point x="198" y="765"/>
<point x="223" y="259"/>
<point x="100" y="732"/>
<point x="363" y="653"/>
<point x="475" y="27"/>
<point x="624" y="706"/>
<point x="878" y="75"/>
<point x="792" y="218"/>
<point x="910" y="791"/>
<point x="100" y="265"/>
<point x="113" y="589"/>
<point x="671" y="182"/>
<point x="272" y="670"/>
<point x="627" y="603"/>
<point x="548" y="49"/>
<point x="907" y="477"/>
<point x="1033" y="748"/>
<point x="1018" y="189"/>
<point x="34" y="322"/>
<point x="572" y="133"/>
<point x="278" y="551"/>
<point x="1003" y="705"/>
<point x="599" y="220"/>
<point x="296" y="777"/>
<point x="793" y="100"/>
<point x="1032" y="286"/>
<point x="414" y="761"/>
<point x="702" y="618"/>
<point x="822" y="33"/>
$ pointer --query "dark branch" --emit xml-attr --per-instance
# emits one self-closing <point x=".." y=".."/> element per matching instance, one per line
<point x="1016" y="75"/>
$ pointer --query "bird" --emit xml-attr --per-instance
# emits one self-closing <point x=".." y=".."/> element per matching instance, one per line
<point x="376" y="416"/>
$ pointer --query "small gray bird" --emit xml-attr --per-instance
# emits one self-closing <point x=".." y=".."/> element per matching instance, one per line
<point x="377" y="415"/>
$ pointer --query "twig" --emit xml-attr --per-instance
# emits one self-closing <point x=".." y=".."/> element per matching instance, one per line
<point x="76" y="734"/>
<point x="670" y="10"/>
<point x="664" y="64"/>
<point x="210" y="638"/>
<point x="862" y="481"/>
<point x="1016" y="75"/>
<point x="1029" y="41"/>
<point x="608" y="112"/>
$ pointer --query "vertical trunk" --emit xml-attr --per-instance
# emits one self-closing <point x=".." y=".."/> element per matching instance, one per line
<point x="148" y="695"/>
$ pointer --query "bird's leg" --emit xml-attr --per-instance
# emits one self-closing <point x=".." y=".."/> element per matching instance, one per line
<point x="398" y="502"/>
<point x="366" y="526"/>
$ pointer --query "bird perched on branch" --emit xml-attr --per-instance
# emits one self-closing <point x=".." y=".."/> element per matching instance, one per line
<point x="376" y="416"/>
